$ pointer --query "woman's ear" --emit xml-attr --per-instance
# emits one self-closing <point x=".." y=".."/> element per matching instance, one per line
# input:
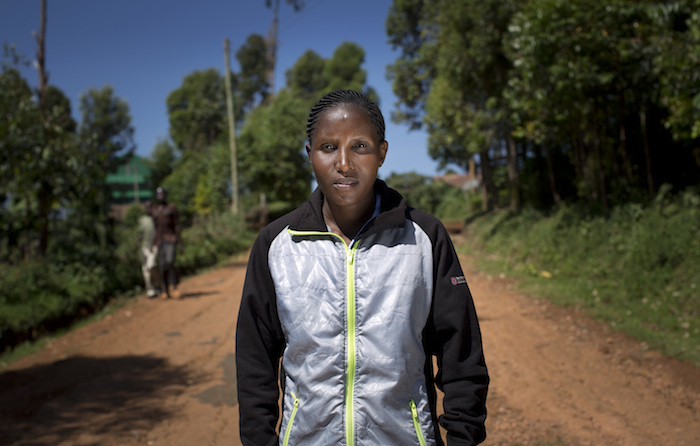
<point x="383" y="148"/>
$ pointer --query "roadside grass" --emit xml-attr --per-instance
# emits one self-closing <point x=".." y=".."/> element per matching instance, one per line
<point x="638" y="269"/>
<point x="28" y="348"/>
<point x="43" y="299"/>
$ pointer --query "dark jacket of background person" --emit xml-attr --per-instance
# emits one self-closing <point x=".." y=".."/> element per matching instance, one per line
<point x="167" y="222"/>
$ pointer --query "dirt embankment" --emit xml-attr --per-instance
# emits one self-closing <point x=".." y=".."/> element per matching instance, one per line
<point x="162" y="372"/>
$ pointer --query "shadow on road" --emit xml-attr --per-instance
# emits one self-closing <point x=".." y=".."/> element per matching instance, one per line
<point x="51" y="403"/>
<point x="223" y="394"/>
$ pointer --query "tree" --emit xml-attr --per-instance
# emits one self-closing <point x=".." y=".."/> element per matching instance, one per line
<point x="251" y="83"/>
<point x="20" y="134"/>
<point x="306" y="77"/>
<point x="679" y="61"/>
<point x="589" y="78"/>
<point x="271" y="153"/>
<point x="344" y="69"/>
<point x="105" y="139"/>
<point x="451" y="77"/>
<point x="212" y="195"/>
<point x="162" y="161"/>
<point x="197" y="110"/>
<point x="418" y="190"/>
<point x="588" y="86"/>
<point x="409" y="29"/>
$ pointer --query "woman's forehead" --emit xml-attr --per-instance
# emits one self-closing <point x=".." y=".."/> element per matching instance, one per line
<point x="341" y="112"/>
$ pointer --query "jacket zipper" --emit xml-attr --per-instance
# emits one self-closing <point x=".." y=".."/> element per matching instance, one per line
<point x="350" y="371"/>
<point x="416" y="422"/>
<point x="350" y="329"/>
<point x="288" y="431"/>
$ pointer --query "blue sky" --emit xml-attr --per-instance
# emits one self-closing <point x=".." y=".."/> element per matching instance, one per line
<point x="144" y="48"/>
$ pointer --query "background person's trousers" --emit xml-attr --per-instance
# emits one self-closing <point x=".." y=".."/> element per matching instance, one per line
<point x="166" y="261"/>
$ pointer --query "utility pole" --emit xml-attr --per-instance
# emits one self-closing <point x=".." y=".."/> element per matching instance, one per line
<point x="231" y="130"/>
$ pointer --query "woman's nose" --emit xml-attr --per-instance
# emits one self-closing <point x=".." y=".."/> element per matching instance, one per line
<point x="344" y="161"/>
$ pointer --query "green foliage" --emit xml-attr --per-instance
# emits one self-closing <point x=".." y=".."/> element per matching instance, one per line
<point x="181" y="184"/>
<point x="445" y="202"/>
<point x="105" y="127"/>
<point x="637" y="269"/>
<point x="455" y="205"/>
<point x="343" y="70"/>
<point x="271" y="152"/>
<point x="251" y="83"/>
<point x="679" y="63"/>
<point x="211" y="239"/>
<point x="213" y="189"/>
<point x="197" y="110"/>
<point x="132" y="215"/>
<point x="47" y="165"/>
<point x="607" y="91"/>
<point x="306" y="77"/>
<point x="162" y="162"/>
<point x="39" y="297"/>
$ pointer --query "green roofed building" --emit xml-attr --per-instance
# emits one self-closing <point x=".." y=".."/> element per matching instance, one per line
<point x="130" y="184"/>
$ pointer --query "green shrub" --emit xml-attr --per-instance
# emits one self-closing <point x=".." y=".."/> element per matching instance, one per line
<point x="212" y="239"/>
<point x="81" y="275"/>
<point x="637" y="269"/>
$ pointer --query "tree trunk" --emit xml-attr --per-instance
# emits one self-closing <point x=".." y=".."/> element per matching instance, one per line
<point x="647" y="153"/>
<point x="599" y="162"/>
<point x="513" y="174"/>
<point x="626" y="166"/>
<point x="488" y="189"/>
<point x="44" y="209"/>
<point x="583" y="169"/>
<point x="550" y="174"/>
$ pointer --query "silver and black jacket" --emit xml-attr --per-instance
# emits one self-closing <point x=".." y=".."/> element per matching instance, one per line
<point x="357" y="327"/>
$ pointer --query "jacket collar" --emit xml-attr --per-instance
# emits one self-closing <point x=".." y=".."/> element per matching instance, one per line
<point x="391" y="214"/>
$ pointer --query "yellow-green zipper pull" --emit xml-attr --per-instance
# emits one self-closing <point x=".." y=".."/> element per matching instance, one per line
<point x="416" y="422"/>
<point x="288" y="431"/>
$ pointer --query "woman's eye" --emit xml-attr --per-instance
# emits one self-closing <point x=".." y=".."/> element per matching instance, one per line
<point x="361" y="146"/>
<point x="327" y="147"/>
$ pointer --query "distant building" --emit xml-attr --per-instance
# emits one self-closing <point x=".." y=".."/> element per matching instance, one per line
<point x="465" y="182"/>
<point x="129" y="185"/>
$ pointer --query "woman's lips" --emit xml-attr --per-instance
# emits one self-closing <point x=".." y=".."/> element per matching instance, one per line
<point x="345" y="182"/>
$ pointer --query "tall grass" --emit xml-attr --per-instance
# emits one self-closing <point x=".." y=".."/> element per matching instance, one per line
<point x="637" y="269"/>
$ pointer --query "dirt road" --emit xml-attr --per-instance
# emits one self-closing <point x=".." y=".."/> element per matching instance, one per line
<point x="162" y="373"/>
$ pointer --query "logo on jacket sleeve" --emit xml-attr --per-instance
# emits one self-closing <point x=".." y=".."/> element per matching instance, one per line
<point x="458" y="280"/>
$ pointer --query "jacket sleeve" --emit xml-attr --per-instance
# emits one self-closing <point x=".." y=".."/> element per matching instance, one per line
<point x="456" y="342"/>
<point x="259" y="344"/>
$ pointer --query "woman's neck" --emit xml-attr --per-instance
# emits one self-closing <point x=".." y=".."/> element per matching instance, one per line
<point x="347" y="221"/>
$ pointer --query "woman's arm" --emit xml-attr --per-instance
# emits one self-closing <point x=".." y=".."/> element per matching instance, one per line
<point x="456" y="341"/>
<point x="259" y="344"/>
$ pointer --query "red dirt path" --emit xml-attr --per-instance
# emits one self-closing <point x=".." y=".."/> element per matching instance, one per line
<point x="159" y="372"/>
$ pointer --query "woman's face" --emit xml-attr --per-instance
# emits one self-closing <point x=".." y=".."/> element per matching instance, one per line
<point x="345" y="154"/>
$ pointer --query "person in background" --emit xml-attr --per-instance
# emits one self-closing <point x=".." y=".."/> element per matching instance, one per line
<point x="167" y="239"/>
<point x="356" y="292"/>
<point x="149" y="251"/>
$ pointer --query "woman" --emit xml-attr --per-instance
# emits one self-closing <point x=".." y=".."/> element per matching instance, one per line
<point x="356" y="292"/>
